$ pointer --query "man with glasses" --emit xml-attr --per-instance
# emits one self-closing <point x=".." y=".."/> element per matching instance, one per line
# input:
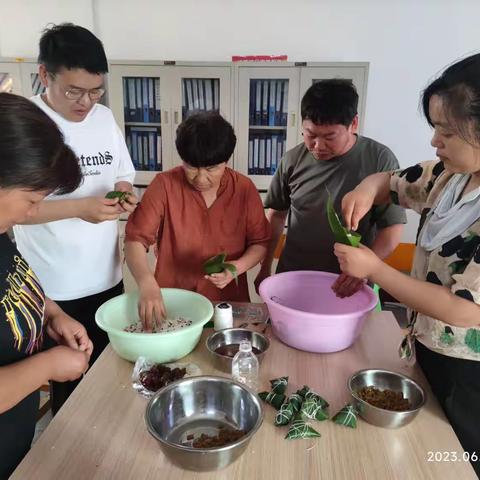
<point x="72" y="241"/>
<point x="332" y="158"/>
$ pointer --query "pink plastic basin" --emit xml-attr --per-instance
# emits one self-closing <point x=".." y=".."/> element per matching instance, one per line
<point x="306" y="314"/>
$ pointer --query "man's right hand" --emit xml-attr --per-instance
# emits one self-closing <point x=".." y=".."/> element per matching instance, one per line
<point x="151" y="308"/>
<point x="262" y="275"/>
<point x="66" y="364"/>
<point x="99" y="209"/>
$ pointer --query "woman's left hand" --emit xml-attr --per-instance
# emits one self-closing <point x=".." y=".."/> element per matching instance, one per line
<point x="359" y="262"/>
<point x="222" y="279"/>
<point x="67" y="331"/>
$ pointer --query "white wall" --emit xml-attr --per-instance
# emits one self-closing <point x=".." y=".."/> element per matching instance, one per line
<point x="405" y="41"/>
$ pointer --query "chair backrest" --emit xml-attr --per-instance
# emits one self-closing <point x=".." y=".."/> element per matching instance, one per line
<point x="402" y="257"/>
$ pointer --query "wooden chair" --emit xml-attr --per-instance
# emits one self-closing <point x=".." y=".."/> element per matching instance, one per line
<point x="44" y="403"/>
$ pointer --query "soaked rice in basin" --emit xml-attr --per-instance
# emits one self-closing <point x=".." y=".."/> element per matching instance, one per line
<point x="167" y="325"/>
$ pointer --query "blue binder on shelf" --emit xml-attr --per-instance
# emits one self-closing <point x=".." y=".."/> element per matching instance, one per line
<point x="184" y="98"/>
<point x="285" y="104"/>
<point x="189" y="95"/>
<point x="261" y="157"/>
<point x="132" y="112"/>
<point x="140" y="150"/>
<point x="195" y="93"/>
<point x="271" y="104"/>
<point x="274" y="163"/>
<point x="255" y="155"/>
<point x="278" y="102"/>
<point x="156" y="97"/>
<point x="209" y="94"/>
<point x="251" y="107"/>
<point x="265" y="98"/>
<point x="250" y="157"/>
<point x="151" y="150"/>
<point x="258" y="103"/>
<point x="201" y="94"/>
<point x="151" y="100"/>
<point x="216" y="94"/>
<point x="135" y="161"/>
<point x="139" y="109"/>
<point x="268" y="156"/>
<point x="145" y="116"/>
<point x="126" y="111"/>
<point x="159" y="152"/>
<point x="145" y="150"/>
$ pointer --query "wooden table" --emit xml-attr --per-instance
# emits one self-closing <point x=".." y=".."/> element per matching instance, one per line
<point x="100" y="432"/>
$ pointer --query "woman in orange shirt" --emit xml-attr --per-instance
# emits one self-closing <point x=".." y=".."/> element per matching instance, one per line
<point x="193" y="212"/>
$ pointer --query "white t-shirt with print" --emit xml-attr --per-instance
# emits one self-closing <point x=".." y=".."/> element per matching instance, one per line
<point x="74" y="258"/>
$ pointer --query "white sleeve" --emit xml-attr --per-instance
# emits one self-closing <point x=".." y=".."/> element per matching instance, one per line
<point x="126" y="170"/>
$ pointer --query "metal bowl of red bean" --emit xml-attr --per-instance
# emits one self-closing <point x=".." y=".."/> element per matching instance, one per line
<point x="385" y="398"/>
<point x="204" y="423"/>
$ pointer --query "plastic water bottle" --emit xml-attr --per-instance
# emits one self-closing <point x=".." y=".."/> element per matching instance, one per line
<point x="245" y="366"/>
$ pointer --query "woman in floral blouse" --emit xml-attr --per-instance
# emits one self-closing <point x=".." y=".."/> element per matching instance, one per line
<point x="443" y="291"/>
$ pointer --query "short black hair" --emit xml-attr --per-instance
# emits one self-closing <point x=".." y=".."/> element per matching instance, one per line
<point x="71" y="46"/>
<point x="205" y="139"/>
<point x="459" y="88"/>
<point x="33" y="154"/>
<point x="330" y="102"/>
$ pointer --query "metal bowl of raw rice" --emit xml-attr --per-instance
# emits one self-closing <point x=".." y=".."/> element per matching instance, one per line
<point x="187" y="313"/>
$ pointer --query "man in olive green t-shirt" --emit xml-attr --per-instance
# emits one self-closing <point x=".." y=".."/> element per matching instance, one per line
<point x="331" y="157"/>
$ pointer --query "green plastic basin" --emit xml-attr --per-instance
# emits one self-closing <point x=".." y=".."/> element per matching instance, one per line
<point x="113" y="316"/>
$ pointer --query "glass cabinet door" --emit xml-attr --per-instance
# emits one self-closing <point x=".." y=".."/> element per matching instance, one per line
<point x="199" y="89"/>
<point x="268" y="102"/>
<point x="10" y="78"/>
<point x="140" y="116"/>
<point x="358" y="74"/>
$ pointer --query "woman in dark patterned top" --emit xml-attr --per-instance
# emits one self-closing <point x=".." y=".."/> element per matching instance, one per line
<point x="34" y="162"/>
<point x="443" y="291"/>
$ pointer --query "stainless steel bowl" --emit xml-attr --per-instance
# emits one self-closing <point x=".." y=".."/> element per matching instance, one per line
<point x="386" y="379"/>
<point x="231" y="336"/>
<point x="197" y="405"/>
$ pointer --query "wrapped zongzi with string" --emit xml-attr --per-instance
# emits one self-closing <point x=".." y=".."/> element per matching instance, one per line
<point x="274" y="399"/>
<point x="306" y="392"/>
<point x="279" y="385"/>
<point x="284" y="415"/>
<point x="346" y="416"/>
<point x="301" y="429"/>
<point x="311" y="408"/>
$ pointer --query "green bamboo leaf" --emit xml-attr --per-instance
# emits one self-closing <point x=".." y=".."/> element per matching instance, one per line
<point x="232" y="269"/>
<point x="122" y="196"/>
<point x="217" y="264"/>
<point x="341" y="234"/>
